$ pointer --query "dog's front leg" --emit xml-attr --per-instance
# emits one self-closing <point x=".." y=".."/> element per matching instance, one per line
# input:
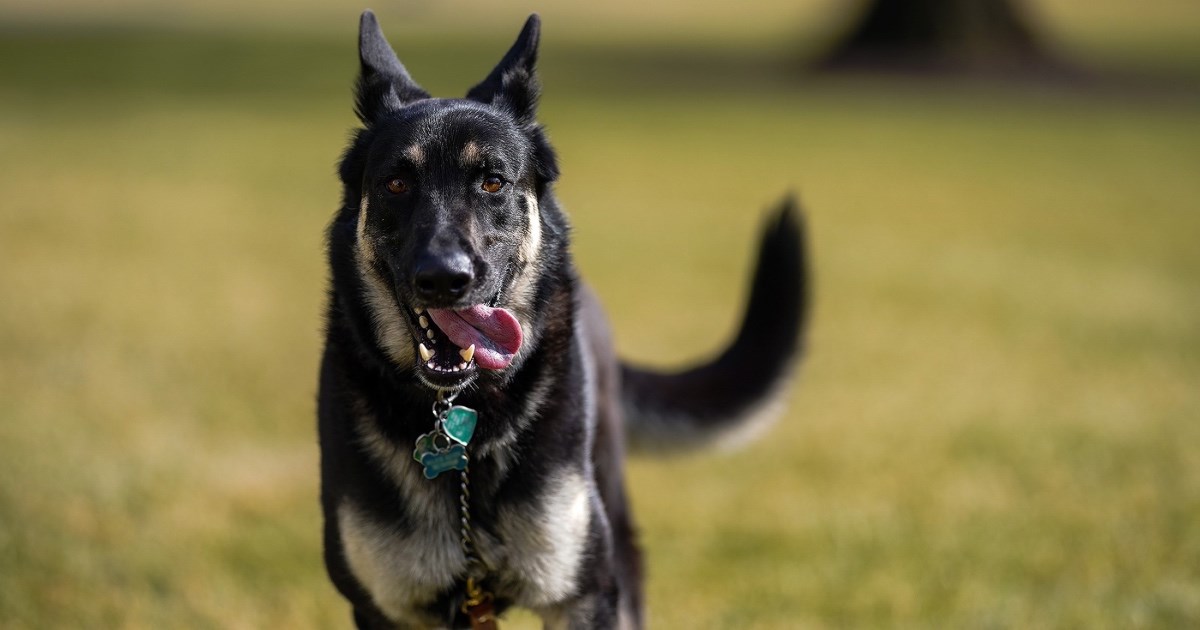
<point x="597" y="610"/>
<point x="597" y="606"/>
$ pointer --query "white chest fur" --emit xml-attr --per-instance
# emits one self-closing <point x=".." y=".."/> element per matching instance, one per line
<point x="540" y="546"/>
<point x="402" y="570"/>
<point x="534" y="548"/>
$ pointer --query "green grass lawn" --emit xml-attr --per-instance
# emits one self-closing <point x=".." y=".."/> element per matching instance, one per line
<point x="997" y="425"/>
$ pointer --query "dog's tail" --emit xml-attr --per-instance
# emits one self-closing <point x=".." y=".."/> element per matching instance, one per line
<point x="739" y="391"/>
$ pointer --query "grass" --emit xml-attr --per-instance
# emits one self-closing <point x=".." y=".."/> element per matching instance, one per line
<point x="996" y="426"/>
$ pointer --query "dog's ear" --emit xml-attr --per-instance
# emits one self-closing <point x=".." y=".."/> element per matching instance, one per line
<point x="513" y="83"/>
<point x="383" y="83"/>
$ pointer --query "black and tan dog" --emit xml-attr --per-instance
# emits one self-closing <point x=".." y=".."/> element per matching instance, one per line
<point x="452" y="278"/>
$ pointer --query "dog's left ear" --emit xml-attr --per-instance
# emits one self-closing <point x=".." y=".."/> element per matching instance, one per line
<point x="513" y="84"/>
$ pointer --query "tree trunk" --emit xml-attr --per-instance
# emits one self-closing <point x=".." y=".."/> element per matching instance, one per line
<point x="940" y="36"/>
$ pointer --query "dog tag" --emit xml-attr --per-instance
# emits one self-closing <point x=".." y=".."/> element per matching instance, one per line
<point x="438" y="462"/>
<point x="426" y="444"/>
<point x="459" y="424"/>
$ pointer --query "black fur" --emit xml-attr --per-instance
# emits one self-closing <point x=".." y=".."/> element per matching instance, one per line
<point x="421" y="228"/>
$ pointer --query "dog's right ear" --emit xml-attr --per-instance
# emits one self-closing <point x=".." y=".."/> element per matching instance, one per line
<point x="513" y="83"/>
<point x="383" y="83"/>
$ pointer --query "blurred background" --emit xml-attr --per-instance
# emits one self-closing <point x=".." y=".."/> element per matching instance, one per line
<point x="997" y="424"/>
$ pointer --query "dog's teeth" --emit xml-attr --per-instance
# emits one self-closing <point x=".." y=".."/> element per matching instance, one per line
<point x="418" y="310"/>
<point x="467" y="353"/>
<point x="424" y="322"/>
<point x="462" y="366"/>
<point x="426" y="353"/>
<point x="429" y="333"/>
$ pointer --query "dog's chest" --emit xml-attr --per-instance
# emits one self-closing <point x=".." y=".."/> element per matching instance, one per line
<point x="533" y="547"/>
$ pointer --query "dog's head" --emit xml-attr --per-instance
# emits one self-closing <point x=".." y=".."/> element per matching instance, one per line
<point x="448" y="229"/>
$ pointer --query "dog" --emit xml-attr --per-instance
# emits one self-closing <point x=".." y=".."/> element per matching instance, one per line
<point x="453" y="301"/>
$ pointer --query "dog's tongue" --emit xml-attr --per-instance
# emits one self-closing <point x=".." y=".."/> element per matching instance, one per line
<point x="495" y="333"/>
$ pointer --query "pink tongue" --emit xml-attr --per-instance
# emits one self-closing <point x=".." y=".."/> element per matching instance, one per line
<point x="495" y="333"/>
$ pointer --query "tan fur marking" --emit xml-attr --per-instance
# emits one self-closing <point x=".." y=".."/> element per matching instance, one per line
<point x="470" y="154"/>
<point x="520" y="297"/>
<point x="546" y="544"/>
<point x="390" y="329"/>
<point x="529" y="247"/>
<point x="365" y="250"/>
<point x="416" y="154"/>
<point x="384" y="561"/>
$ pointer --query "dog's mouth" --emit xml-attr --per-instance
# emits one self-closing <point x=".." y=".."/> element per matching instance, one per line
<point x="454" y="343"/>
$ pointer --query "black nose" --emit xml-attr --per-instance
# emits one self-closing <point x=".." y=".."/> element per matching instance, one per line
<point x="443" y="278"/>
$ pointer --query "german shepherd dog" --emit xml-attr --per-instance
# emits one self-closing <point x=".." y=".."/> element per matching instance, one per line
<point x="452" y="286"/>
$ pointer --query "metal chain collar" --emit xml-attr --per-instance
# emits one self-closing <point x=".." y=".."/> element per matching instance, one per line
<point x="478" y="605"/>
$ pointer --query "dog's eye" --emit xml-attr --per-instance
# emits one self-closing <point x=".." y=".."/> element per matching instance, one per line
<point x="492" y="184"/>
<point x="397" y="186"/>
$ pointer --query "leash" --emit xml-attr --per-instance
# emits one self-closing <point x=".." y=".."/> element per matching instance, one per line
<point x="444" y="449"/>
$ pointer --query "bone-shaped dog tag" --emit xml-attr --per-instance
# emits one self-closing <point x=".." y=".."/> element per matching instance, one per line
<point x="453" y="458"/>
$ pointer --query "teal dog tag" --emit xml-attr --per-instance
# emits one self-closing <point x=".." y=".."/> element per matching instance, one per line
<point x="436" y="463"/>
<point x="459" y="424"/>
<point x="427" y="444"/>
